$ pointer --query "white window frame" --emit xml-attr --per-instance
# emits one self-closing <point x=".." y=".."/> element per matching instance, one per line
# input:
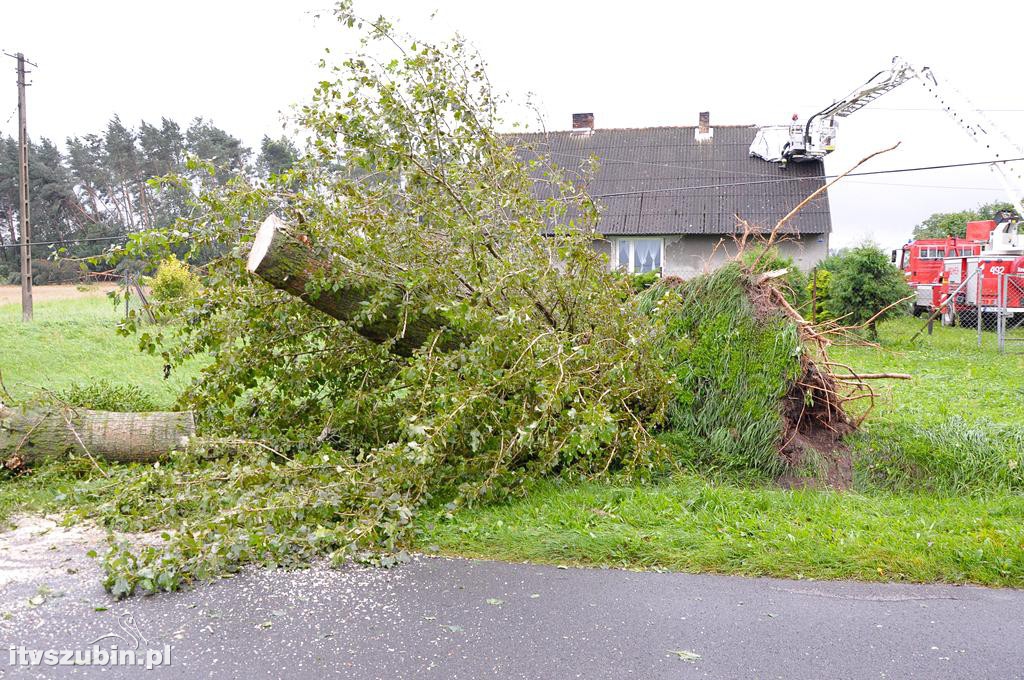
<point x="614" y="259"/>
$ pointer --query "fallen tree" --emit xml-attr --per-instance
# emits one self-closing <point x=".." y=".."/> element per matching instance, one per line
<point x="31" y="435"/>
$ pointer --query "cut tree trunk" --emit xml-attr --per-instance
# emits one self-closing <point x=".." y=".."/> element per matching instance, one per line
<point x="30" y="435"/>
<point x="287" y="263"/>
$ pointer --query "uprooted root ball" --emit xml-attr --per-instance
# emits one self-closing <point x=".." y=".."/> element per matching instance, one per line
<point x="753" y="391"/>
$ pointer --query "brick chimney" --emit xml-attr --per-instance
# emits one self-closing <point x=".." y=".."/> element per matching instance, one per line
<point x="583" y="123"/>
<point x="704" y="132"/>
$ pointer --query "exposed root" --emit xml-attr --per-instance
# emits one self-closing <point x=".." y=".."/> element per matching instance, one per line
<point x="815" y="419"/>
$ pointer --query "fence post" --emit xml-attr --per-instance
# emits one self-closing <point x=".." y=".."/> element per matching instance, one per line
<point x="1000" y="310"/>
<point x="977" y="304"/>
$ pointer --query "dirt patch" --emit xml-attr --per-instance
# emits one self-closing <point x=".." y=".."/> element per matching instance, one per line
<point x="10" y="295"/>
<point x="814" y="425"/>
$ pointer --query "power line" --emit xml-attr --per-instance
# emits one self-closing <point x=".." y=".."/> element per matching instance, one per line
<point x="748" y="173"/>
<point x="805" y="178"/>
<point x="674" y="166"/>
<point x="933" y="108"/>
<point x="69" y="241"/>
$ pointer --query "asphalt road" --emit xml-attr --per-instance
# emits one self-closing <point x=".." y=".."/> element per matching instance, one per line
<point x="446" y="618"/>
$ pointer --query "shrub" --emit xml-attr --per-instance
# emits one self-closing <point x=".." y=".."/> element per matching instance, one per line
<point x="863" y="284"/>
<point x="101" y="395"/>
<point x="646" y="280"/>
<point x="173" y="281"/>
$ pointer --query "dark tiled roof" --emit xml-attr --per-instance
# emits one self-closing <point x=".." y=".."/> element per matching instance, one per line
<point x="722" y="180"/>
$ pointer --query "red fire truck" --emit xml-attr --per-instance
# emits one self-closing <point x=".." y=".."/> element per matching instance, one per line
<point x="982" y="272"/>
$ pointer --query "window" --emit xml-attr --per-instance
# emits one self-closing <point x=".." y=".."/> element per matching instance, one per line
<point x="638" y="255"/>
<point x="931" y="253"/>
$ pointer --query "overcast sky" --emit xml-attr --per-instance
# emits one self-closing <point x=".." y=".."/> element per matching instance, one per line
<point x="243" y="63"/>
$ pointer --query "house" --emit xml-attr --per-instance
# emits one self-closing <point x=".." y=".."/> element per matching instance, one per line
<point x="671" y="197"/>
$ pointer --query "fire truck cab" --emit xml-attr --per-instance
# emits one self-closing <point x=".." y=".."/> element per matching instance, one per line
<point x="924" y="263"/>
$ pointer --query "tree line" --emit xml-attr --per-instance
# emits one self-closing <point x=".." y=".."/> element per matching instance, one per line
<point x="941" y="225"/>
<point x="95" y="190"/>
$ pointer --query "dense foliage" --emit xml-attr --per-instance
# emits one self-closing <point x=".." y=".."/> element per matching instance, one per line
<point x="98" y="189"/>
<point x="173" y="281"/>
<point x="817" y="289"/>
<point x="542" y="365"/>
<point x="733" y="363"/>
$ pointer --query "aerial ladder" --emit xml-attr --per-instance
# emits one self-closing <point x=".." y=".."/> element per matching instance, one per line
<point x="815" y="139"/>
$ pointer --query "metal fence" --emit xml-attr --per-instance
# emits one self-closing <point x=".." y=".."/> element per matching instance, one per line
<point x="991" y="303"/>
<point x="1010" y="312"/>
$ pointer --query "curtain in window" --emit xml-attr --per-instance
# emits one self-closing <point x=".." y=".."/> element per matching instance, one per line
<point x="646" y="255"/>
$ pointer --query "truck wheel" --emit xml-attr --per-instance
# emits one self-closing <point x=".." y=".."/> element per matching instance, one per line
<point x="968" y="319"/>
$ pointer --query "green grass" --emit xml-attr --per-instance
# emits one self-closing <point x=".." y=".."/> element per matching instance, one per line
<point x="691" y="524"/>
<point x="75" y="341"/>
<point x="957" y="427"/>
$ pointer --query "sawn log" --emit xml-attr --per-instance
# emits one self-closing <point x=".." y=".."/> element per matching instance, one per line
<point x="29" y="435"/>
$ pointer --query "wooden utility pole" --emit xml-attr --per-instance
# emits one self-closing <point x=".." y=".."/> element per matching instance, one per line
<point x="24" y="219"/>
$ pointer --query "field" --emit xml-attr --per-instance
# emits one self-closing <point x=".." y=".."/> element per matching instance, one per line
<point x="73" y="340"/>
<point x="939" y="467"/>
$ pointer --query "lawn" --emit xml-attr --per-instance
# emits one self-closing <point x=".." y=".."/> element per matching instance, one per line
<point x="939" y="466"/>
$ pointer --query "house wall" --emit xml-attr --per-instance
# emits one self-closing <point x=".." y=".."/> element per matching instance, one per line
<point x="688" y="255"/>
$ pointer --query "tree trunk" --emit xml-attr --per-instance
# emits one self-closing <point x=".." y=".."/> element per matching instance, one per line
<point x="31" y="435"/>
<point x="288" y="264"/>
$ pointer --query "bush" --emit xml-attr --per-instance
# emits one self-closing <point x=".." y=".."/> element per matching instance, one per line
<point x="863" y="284"/>
<point x="105" y="396"/>
<point x="173" y="281"/>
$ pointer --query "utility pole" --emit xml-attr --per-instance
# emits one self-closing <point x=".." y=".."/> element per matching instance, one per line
<point x="24" y="219"/>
